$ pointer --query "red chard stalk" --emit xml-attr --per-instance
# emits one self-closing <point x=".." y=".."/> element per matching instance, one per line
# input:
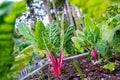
<point x="94" y="52"/>
<point x="57" y="64"/>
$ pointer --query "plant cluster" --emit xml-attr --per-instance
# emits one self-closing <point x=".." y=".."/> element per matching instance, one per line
<point x="45" y="40"/>
<point x="100" y="38"/>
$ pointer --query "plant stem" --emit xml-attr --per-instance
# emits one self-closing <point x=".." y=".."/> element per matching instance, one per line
<point x="78" y="69"/>
<point x="62" y="34"/>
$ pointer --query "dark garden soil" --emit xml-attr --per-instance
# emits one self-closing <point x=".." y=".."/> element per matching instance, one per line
<point x="90" y="71"/>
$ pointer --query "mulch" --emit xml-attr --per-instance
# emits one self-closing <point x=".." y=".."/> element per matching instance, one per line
<point x="89" y="70"/>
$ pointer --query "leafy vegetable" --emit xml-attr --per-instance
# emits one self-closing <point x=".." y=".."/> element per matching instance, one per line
<point x="47" y="38"/>
<point x="88" y="37"/>
<point x="39" y="31"/>
<point x="54" y="37"/>
<point x="26" y="32"/>
<point x="68" y="45"/>
<point x="50" y="38"/>
<point x="101" y="47"/>
<point x="110" y="66"/>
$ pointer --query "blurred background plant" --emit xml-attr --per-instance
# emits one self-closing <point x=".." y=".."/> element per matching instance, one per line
<point x="9" y="11"/>
<point x="98" y="32"/>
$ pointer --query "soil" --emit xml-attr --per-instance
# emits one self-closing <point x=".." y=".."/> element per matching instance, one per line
<point x="90" y="71"/>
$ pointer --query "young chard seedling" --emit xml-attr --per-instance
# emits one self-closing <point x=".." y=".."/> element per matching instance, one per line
<point x="42" y="76"/>
<point x="110" y="66"/>
<point x="78" y="69"/>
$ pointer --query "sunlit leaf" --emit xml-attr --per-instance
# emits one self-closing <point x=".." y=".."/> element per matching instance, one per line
<point x="25" y="31"/>
<point x="91" y="7"/>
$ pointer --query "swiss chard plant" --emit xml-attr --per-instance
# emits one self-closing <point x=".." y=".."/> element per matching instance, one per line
<point x="110" y="66"/>
<point x="51" y="37"/>
<point x="54" y="41"/>
<point x="87" y="39"/>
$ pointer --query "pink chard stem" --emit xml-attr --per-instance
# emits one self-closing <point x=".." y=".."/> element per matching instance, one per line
<point x="57" y="64"/>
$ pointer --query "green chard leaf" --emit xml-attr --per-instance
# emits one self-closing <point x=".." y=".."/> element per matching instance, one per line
<point x="68" y="44"/>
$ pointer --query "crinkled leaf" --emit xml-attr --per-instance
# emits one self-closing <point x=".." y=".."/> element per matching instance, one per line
<point x="68" y="45"/>
<point x="25" y="31"/>
<point x="101" y="47"/>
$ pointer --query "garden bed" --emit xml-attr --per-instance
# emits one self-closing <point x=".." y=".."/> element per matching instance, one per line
<point x="90" y="71"/>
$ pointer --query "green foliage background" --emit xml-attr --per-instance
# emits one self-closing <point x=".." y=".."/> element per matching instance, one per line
<point x="93" y="8"/>
<point x="9" y="11"/>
